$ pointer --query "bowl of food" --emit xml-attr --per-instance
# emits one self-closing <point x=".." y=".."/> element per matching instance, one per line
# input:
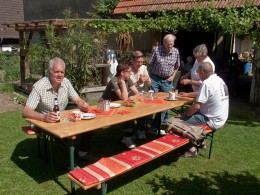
<point x="128" y="103"/>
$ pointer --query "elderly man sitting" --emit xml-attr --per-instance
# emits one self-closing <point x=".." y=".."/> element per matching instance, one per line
<point x="211" y="106"/>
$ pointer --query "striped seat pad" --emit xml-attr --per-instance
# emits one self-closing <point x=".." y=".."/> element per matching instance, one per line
<point x="107" y="168"/>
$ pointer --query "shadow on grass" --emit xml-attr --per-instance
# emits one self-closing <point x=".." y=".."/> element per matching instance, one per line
<point x="26" y="157"/>
<point x="135" y="174"/>
<point x="208" y="183"/>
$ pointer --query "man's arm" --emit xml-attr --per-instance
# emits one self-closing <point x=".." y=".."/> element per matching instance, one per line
<point x="171" y="78"/>
<point x="82" y="105"/>
<point x="50" y="117"/>
<point x="190" y="94"/>
<point x="186" y="76"/>
<point x="193" y="109"/>
<point x="191" y="82"/>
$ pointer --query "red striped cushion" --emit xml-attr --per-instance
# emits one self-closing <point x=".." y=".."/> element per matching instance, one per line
<point x="107" y="168"/>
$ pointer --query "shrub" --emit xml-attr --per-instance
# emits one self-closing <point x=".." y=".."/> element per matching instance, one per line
<point x="78" y="49"/>
<point x="10" y="64"/>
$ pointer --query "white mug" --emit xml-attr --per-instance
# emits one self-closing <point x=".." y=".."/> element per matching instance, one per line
<point x="76" y="115"/>
<point x="172" y="95"/>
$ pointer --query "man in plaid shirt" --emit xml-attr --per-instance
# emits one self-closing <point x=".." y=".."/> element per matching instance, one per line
<point x="164" y="64"/>
<point x="40" y="103"/>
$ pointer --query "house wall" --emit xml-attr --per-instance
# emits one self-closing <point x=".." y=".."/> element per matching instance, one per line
<point x="52" y="9"/>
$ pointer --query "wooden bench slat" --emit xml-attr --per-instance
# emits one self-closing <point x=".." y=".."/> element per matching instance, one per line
<point x="93" y="89"/>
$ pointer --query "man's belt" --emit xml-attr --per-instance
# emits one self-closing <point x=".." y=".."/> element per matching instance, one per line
<point x="160" y="76"/>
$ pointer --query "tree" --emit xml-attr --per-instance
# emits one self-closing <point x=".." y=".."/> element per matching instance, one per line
<point x="77" y="47"/>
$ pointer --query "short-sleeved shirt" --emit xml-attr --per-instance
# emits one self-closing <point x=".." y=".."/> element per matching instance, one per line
<point x="42" y="96"/>
<point x="109" y="93"/>
<point x="213" y="94"/>
<point x="163" y="64"/>
<point x="195" y="76"/>
<point x="135" y="77"/>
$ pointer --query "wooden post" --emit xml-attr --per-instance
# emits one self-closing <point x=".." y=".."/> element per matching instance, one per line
<point x="22" y="57"/>
<point x="24" y="47"/>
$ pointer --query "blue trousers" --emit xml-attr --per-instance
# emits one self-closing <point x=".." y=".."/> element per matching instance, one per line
<point x="161" y="85"/>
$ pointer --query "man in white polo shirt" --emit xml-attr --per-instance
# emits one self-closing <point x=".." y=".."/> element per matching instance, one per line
<point x="211" y="106"/>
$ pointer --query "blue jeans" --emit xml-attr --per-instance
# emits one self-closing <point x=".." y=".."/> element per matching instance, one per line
<point x="161" y="85"/>
<point x="196" y="119"/>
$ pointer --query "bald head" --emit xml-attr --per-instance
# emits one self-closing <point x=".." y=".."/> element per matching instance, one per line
<point x="206" y="68"/>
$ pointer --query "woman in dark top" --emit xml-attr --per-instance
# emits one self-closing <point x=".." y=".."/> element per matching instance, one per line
<point x="118" y="89"/>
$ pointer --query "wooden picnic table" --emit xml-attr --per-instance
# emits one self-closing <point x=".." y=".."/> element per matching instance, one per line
<point x="66" y="128"/>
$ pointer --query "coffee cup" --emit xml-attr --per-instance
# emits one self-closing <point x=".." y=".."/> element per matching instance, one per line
<point x="171" y="96"/>
<point x="76" y="115"/>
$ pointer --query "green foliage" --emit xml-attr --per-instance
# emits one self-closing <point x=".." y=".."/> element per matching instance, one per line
<point x="104" y="8"/>
<point x="77" y="47"/>
<point x="10" y="64"/>
<point x="229" y="20"/>
<point x="38" y="58"/>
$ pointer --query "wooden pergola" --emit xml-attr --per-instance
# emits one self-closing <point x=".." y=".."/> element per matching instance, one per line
<point x="31" y="27"/>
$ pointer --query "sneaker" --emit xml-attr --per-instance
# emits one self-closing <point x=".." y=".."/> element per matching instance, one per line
<point x="128" y="141"/>
<point x="203" y="146"/>
<point x="190" y="154"/>
<point x="155" y="131"/>
<point x="141" y="134"/>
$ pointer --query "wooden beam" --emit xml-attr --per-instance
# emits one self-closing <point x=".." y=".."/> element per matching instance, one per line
<point x="22" y="57"/>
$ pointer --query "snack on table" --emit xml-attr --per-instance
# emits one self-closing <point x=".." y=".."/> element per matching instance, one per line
<point x="128" y="103"/>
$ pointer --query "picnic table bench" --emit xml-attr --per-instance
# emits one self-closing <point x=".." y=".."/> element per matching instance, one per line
<point x="96" y="175"/>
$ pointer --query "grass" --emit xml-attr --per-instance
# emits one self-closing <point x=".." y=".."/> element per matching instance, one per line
<point x="7" y="88"/>
<point x="234" y="167"/>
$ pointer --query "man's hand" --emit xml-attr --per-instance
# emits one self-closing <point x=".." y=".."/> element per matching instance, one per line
<point x="50" y="117"/>
<point x="171" y="78"/>
<point x="183" y="94"/>
<point x="84" y="106"/>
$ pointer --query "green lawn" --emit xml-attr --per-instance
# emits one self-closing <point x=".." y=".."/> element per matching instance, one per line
<point x="234" y="167"/>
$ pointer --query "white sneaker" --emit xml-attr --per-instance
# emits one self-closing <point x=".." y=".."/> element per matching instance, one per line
<point x="163" y="132"/>
<point x="141" y="134"/>
<point x="128" y="141"/>
<point x="155" y="131"/>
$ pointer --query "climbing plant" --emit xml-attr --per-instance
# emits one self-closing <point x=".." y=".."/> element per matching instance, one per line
<point x="239" y="21"/>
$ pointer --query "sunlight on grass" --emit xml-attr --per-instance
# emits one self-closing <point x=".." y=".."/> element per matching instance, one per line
<point x="233" y="169"/>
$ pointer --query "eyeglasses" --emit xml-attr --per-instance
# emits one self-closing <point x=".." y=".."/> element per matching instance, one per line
<point x="139" y="56"/>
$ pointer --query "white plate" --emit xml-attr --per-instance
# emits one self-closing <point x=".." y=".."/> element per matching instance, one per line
<point x="88" y="116"/>
<point x="114" y="105"/>
<point x="167" y="98"/>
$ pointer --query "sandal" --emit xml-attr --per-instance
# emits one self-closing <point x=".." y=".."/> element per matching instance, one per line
<point x="190" y="154"/>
